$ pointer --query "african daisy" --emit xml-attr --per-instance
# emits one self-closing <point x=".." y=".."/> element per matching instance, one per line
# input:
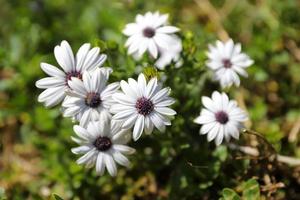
<point x="221" y="118"/>
<point x="90" y="98"/>
<point x="57" y="83"/>
<point x="227" y="61"/>
<point x="142" y="105"/>
<point x="149" y="32"/>
<point x="103" y="144"/>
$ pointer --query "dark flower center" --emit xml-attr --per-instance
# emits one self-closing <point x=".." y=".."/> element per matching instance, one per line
<point x="102" y="143"/>
<point x="71" y="74"/>
<point x="221" y="117"/>
<point x="92" y="99"/>
<point x="149" y="32"/>
<point x="227" y="63"/>
<point x="144" y="106"/>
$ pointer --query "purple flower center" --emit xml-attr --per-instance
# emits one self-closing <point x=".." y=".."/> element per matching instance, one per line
<point x="92" y="99"/>
<point x="149" y="32"/>
<point x="221" y="117"/>
<point x="226" y="63"/>
<point x="102" y="143"/>
<point x="144" y="106"/>
<point x="71" y="74"/>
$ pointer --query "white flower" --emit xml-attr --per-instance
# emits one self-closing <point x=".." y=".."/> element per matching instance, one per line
<point x="227" y="61"/>
<point x="143" y="106"/>
<point x="149" y="32"/>
<point x="103" y="144"/>
<point x="172" y="53"/>
<point x="90" y="99"/>
<point x="57" y="83"/>
<point x="220" y="118"/>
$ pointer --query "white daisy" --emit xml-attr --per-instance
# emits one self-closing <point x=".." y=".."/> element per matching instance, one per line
<point x="143" y="106"/>
<point x="149" y="33"/>
<point x="227" y="61"/>
<point x="103" y="144"/>
<point x="57" y="83"/>
<point x="172" y="53"/>
<point x="90" y="99"/>
<point x="220" y="118"/>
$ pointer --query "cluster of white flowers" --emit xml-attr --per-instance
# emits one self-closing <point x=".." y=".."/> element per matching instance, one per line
<point x="108" y="114"/>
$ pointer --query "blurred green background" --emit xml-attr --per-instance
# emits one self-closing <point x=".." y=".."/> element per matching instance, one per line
<point x="35" y="157"/>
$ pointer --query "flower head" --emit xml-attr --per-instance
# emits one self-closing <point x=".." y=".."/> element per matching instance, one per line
<point x="103" y="144"/>
<point x="90" y="98"/>
<point x="149" y="32"/>
<point x="227" y="61"/>
<point x="143" y="106"/>
<point x="220" y="118"/>
<point x="57" y="83"/>
<point x="171" y="54"/>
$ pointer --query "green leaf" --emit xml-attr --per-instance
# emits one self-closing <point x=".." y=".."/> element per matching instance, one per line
<point x="56" y="197"/>
<point x="251" y="190"/>
<point x="229" y="194"/>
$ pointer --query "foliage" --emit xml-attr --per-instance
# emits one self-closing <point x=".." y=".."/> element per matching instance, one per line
<point x="36" y="161"/>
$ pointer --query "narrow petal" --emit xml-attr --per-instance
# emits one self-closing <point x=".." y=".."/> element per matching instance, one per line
<point x="50" y="82"/>
<point x="138" y="127"/>
<point x="52" y="70"/>
<point x="81" y="150"/>
<point x="165" y="110"/>
<point x="110" y="165"/>
<point x="121" y="159"/>
<point x="123" y="149"/>
<point x="100" y="164"/>
<point x="168" y="29"/>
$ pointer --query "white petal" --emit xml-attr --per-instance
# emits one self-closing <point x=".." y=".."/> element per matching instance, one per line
<point x="86" y="157"/>
<point x="157" y="121"/>
<point x="142" y="84"/>
<point x="207" y="128"/>
<point x="63" y="58"/>
<point x="213" y="132"/>
<point x="85" y="118"/>
<point x="204" y="119"/>
<point x="55" y="99"/>
<point x="81" y="150"/>
<point x="50" y="82"/>
<point x="219" y="137"/>
<point x="138" y="127"/>
<point x="165" y="110"/>
<point x="110" y="90"/>
<point x="81" y="56"/>
<point x="100" y="164"/>
<point x="110" y="165"/>
<point x="123" y="115"/>
<point x="51" y="93"/>
<point x="77" y="85"/>
<point x="209" y="104"/>
<point x="86" y="79"/>
<point x="168" y="29"/>
<point x="148" y="126"/>
<point x="167" y="102"/>
<point x="151" y="87"/>
<point x="130" y="121"/>
<point x="52" y="70"/>
<point x="82" y="132"/>
<point x="161" y="95"/>
<point x="121" y="159"/>
<point x="123" y="149"/>
<point x="153" y="49"/>
<point x="123" y="99"/>
<point x="127" y="89"/>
